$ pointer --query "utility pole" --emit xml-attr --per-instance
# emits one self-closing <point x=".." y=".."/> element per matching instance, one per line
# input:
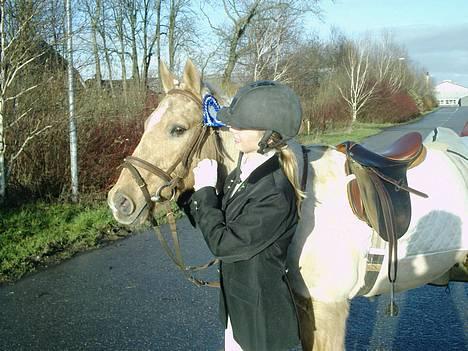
<point x="71" y="109"/>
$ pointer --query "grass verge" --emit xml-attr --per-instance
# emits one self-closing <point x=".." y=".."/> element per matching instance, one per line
<point x="356" y="133"/>
<point x="40" y="234"/>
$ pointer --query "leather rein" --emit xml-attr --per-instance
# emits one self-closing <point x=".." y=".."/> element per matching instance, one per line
<point x="172" y="181"/>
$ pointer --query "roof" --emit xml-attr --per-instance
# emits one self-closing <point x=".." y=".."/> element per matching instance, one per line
<point x="449" y="90"/>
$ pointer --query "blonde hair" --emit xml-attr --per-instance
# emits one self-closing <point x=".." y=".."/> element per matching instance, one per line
<point x="289" y="165"/>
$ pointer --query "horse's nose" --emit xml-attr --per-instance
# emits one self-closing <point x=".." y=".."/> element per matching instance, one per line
<point x="123" y="204"/>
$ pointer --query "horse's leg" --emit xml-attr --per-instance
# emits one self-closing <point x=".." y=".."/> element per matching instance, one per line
<point x="330" y="325"/>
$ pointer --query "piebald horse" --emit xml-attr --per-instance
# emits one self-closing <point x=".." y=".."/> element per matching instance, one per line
<point x="329" y="255"/>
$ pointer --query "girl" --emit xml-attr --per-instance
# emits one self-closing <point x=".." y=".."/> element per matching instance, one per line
<point x="249" y="226"/>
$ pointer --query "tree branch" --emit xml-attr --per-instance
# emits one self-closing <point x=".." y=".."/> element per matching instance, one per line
<point x="31" y="136"/>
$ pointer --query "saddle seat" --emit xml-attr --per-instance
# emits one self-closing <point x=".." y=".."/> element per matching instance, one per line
<point x="371" y="197"/>
<point x="402" y="151"/>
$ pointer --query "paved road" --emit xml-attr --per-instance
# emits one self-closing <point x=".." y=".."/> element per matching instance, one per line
<point x="126" y="296"/>
<point x="449" y="117"/>
<point x="129" y="296"/>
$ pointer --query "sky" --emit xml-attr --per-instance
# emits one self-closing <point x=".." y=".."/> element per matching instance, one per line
<point x="434" y="33"/>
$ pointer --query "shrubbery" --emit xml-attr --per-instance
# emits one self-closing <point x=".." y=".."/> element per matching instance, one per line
<point x="107" y="132"/>
<point x="394" y="108"/>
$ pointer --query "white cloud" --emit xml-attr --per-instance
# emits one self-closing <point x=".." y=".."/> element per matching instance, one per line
<point x="442" y="50"/>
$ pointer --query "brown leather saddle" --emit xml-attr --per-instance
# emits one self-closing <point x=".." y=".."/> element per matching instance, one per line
<point x="380" y="194"/>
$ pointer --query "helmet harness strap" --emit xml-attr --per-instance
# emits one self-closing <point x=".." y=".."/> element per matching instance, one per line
<point x="269" y="141"/>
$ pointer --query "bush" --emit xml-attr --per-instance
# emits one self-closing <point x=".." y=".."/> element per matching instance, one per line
<point x="323" y="109"/>
<point x="103" y="145"/>
<point x="108" y="130"/>
<point x="393" y="108"/>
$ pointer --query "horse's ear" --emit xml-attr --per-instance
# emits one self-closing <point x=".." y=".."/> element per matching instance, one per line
<point x="167" y="79"/>
<point x="192" y="78"/>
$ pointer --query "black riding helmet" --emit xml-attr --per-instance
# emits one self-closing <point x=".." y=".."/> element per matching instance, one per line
<point x="264" y="105"/>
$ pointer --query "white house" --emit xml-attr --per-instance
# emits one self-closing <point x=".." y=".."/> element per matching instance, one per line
<point x="449" y="93"/>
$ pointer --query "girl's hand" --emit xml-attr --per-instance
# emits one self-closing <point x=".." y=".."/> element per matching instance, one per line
<point x="205" y="174"/>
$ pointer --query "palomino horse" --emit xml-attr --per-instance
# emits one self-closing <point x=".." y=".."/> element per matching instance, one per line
<point x="331" y="252"/>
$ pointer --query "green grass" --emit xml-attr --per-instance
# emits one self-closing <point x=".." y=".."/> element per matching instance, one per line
<point x="40" y="234"/>
<point x="358" y="132"/>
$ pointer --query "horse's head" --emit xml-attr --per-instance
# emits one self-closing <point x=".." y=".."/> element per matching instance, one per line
<point x="172" y="143"/>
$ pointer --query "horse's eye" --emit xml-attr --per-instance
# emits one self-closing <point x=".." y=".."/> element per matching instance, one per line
<point x="177" y="131"/>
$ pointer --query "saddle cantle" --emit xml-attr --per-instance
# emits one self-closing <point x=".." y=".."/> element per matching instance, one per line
<point x="380" y="194"/>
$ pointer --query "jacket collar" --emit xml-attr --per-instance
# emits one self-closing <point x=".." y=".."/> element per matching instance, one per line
<point x="268" y="167"/>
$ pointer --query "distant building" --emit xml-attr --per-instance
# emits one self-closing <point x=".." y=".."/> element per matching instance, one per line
<point x="450" y="94"/>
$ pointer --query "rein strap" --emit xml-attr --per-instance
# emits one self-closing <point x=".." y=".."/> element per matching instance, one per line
<point x="176" y="255"/>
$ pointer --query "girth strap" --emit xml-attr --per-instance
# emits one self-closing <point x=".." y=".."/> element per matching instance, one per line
<point x="305" y="169"/>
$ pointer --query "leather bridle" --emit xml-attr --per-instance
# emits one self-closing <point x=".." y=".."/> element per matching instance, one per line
<point x="172" y="181"/>
<point x="132" y="163"/>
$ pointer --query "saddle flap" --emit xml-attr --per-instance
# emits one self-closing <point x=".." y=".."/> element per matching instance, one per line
<point x="379" y="203"/>
<point x="373" y="198"/>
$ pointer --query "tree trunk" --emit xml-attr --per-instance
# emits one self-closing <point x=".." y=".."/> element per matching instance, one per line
<point x="105" y="49"/>
<point x="132" y="16"/>
<point x="98" y="76"/>
<point x="232" y="60"/>
<point x="95" y="18"/>
<point x="158" y="33"/>
<point x="171" y="35"/>
<point x="120" y="30"/>
<point x="2" y="104"/>
<point x="240" y="26"/>
<point x="109" y="69"/>
<point x="2" y="151"/>
<point x="71" y="105"/>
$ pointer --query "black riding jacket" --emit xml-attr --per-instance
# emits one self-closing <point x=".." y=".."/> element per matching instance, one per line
<point x="250" y="232"/>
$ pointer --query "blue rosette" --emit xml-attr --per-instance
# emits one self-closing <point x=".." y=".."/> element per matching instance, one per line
<point x="210" y="108"/>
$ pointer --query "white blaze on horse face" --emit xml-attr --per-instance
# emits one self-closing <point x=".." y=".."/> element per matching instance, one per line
<point x="157" y="115"/>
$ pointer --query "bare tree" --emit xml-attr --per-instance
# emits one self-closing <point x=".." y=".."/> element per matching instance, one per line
<point x="272" y="40"/>
<point x="93" y="12"/>
<point x="390" y="63"/>
<point x="102" y="30"/>
<point x="241" y="19"/>
<point x="18" y="49"/>
<point x="181" y="30"/>
<point x="118" y="17"/>
<point x="360" y="84"/>
<point x="149" y="40"/>
<point x="243" y="16"/>
<point x="131" y="13"/>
